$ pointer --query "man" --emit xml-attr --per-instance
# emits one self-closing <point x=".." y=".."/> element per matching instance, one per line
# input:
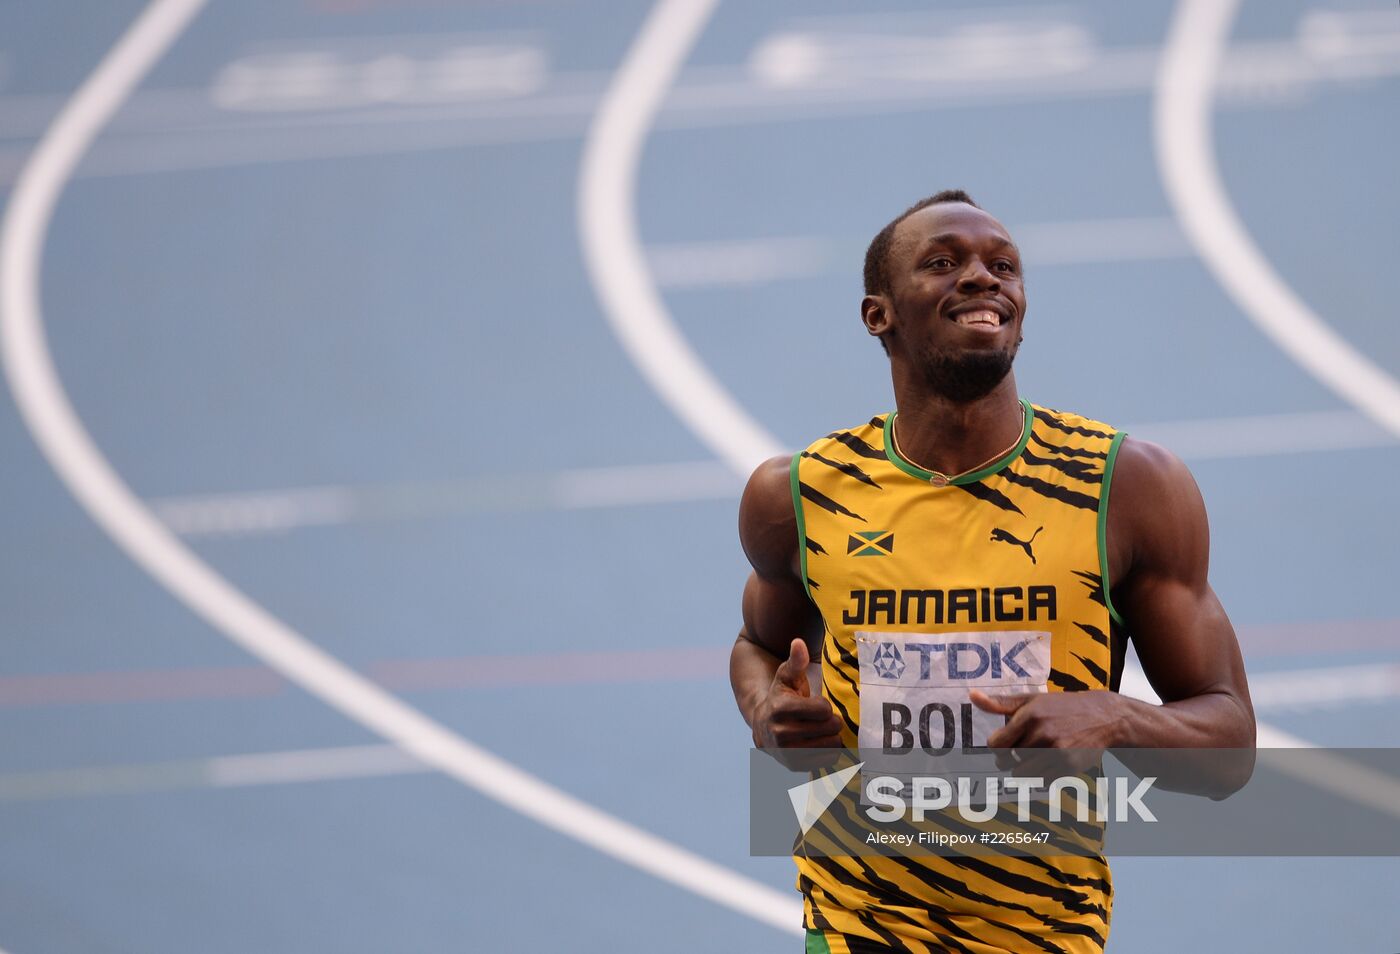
<point x="969" y="510"/>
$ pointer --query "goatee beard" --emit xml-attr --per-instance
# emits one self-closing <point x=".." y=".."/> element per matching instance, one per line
<point x="964" y="376"/>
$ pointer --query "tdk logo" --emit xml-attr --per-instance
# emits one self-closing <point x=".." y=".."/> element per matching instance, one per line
<point x="889" y="661"/>
<point x="963" y="660"/>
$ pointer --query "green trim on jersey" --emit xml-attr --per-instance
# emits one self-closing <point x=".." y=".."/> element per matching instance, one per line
<point x="914" y="470"/>
<point x="801" y="523"/>
<point x="817" y="943"/>
<point x="1103" y="524"/>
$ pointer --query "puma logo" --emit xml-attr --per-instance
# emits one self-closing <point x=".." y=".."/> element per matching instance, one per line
<point x="999" y="534"/>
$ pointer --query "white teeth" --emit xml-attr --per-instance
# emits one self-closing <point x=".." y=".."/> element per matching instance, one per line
<point x="981" y="318"/>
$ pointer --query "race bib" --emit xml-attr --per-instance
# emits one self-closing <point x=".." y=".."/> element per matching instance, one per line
<point x="915" y="702"/>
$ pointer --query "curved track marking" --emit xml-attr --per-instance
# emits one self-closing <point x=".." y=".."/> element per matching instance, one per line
<point x="613" y="252"/>
<point x="69" y="449"/>
<point x="1186" y="75"/>
<point x="1185" y="150"/>
<point x="634" y="310"/>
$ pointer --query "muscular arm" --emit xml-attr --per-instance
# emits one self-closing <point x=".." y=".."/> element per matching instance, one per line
<point x="782" y="629"/>
<point x="1159" y="553"/>
<point x="1158" y="548"/>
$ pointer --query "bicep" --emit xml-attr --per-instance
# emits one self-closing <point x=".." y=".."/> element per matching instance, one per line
<point x="776" y="611"/>
<point x="1178" y="626"/>
<point x="776" y="606"/>
<point x="1183" y="638"/>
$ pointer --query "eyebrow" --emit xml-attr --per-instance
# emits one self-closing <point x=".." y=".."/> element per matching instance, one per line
<point x="952" y="238"/>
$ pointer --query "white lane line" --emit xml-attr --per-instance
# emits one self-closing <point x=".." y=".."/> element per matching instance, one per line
<point x="784" y="73"/>
<point x="245" y="513"/>
<point x="1194" y="49"/>
<point x="1342" y="776"/>
<point x="738" y="262"/>
<point x="1297" y="690"/>
<point x="183" y="129"/>
<point x="1186" y="80"/>
<point x="587" y="667"/>
<point x="746" y="262"/>
<point x="310" y="765"/>
<point x="671" y="663"/>
<point x="1333" y="687"/>
<point x="75" y="458"/>
<point x="249" y="513"/>
<point x="1265" y="435"/>
<point x="613" y="252"/>
<point x="339" y="763"/>
<point x="586" y="488"/>
<point x="261" y="512"/>
<point x="1089" y="241"/>
<point x="338" y="74"/>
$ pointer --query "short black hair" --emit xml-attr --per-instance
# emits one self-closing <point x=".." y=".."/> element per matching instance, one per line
<point x="877" y="278"/>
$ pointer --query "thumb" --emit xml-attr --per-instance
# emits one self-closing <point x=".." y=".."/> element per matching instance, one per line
<point x="793" y="671"/>
<point x="1003" y="705"/>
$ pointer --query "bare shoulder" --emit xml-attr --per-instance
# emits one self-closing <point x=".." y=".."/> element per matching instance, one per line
<point x="768" y="520"/>
<point x="1145" y="466"/>
<point x="1156" y="515"/>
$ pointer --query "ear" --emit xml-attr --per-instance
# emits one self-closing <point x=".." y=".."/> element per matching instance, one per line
<point x="876" y="314"/>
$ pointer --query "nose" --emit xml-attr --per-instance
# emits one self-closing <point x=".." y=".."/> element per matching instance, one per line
<point x="976" y="277"/>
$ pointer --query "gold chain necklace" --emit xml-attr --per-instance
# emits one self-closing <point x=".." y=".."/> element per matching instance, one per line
<point x="943" y="480"/>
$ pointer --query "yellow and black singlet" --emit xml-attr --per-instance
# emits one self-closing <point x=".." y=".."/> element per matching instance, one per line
<point x="1014" y="548"/>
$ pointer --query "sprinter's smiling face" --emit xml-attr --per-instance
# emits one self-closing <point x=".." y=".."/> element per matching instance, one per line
<point x="955" y="303"/>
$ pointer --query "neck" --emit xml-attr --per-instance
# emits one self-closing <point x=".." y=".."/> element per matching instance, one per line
<point x="951" y="438"/>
